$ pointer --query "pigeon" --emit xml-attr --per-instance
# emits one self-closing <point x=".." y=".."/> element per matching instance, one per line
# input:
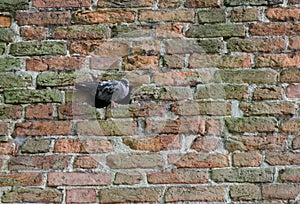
<point x="106" y="93"/>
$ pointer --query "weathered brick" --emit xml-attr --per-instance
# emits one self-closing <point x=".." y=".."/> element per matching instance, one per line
<point x="290" y="75"/>
<point x="267" y="108"/>
<point x="140" y="62"/>
<point x="198" y="160"/>
<point x="10" y="112"/>
<point x="105" y="63"/>
<point x="280" y="191"/>
<point x="256" y="44"/>
<point x="178" y="176"/>
<point x="282" y="158"/>
<point x="202" y="3"/>
<point x="13" y="5"/>
<point x="85" y="162"/>
<point x="127" y="178"/>
<point x="212" y="16"/>
<point x="39" y="112"/>
<point x="252" y="124"/>
<point x="244" y="192"/>
<point x="146" y="47"/>
<point x="43" y="18"/>
<point x="81" y="195"/>
<point x="104" y="16"/>
<point x="43" y="128"/>
<point x="131" y="195"/>
<point x="260" y="142"/>
<point x="81" y="32"/>
<point x="4" y="128"/>
<point x="199" y="193"/>
<point x="241" y="175"/>
<point x="173" y="61"/>
<point x="135" y="160"/>
<point x="206" y="144"/>
<point x="275" y="28"/>
<point x="291" y="125"/>
<point x="191" y="46"/>
<point x="82" y="146"/>
<point x="221" y="91"/>
<point x="173" y="30"/>
<point x="7" y="148"/>
<point x="283" y="14"/>
<point x="216" y="30"/>
<point x="185" y="78"/>
<point x="33" y="33"/>
<point x="78" y="179"/>
<point x="5" y="21"/>
<point x="293" y="91"/>
<point x="289" y="175"/>
<point x="217" y="61"/>
<point x="36" y="145"/>
<point x="32" y="195"/>
<point x="50" y="79"/>
<point x="296" y="143"/>
<point x="277" y="60"/>
<point x="38" y="48"/>
<point x="6" y="35"/>
<point x="11" y="80"/>
<point x="76" y="111"/>
<point x="157" y="143"/>
<point x="9" y="64"/>
<point x="2" y="50"/>
<point x="61" y="4"/>
<point x="244" y="14"/>
<point x="107" y="128"/>
<point x="249" y="76"/>
<point x="245" y="159"/>
<point x="45" y="162"/>
<point x="21" y="179"/>
<point x="131" y="31"/>
<point x="251" y="2"/>
<point x="99" y="48"/>
<point x="169" y="4"/>
<point x="32" y="96"/>
<point x="125" y="4"/>
<point x="55" y="63"/>
<point x="268" y="93"/>
<point x="294" y="43"/>
<point x="167" y="15"/>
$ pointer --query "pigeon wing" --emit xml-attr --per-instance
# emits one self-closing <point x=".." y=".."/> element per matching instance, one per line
<point x="106" y="90"/>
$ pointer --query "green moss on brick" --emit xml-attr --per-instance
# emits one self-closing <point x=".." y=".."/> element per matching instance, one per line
<point x="13" y="5"/>
<point x="251" y="2"/>
<point x="6" y="35"/>
<point x="9" y="64"/>
<point x="56" y="79"/>
<point x="11" y="80"/>
<point x="2" y="48"/>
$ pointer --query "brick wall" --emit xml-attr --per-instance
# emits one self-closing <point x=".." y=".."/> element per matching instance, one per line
<point x="215" y="101"/>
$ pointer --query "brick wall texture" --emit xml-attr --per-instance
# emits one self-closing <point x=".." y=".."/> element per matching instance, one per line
<point x="214" y="114"/>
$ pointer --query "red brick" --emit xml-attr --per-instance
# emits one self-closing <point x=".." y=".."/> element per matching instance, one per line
<point x="82" y="146"/>
<point x="280" y="191"/>
<point x="245" y="192"/>
<point x="245" y="14"/>
<point x="296" y="143"/>
<point x="199" y="193"/>
<point x="167" y="15"/>
<point x="268" y="93"/>
<point x="282" y="158"/>
<point x="127" y="178"/>
<point x="5" y="21"/>
<point x="105" y="63"/>
<point x="294" y="43"/>
<point x="85" y="162"/>
<point x="21" y="179"/>
<point x="293" y="91"/>
<point x="61" y="4"/>
<point x="217" y="61"/>
<point x="10" y="112"/>
<point x="206" y="144"/>
<point x="275" y="28"/>
<point x="8" y="148"/>
<point x="244" y="159"/>
<point x="198" y="160"/>
<point x="78" y="179"/>
<point x="33" y="33"/>
<point x="169" y="31"/>
<point x="39" y="112"/>
<point x="283" y="14"/>
<point x="99" y="48"/>
<point x="76" y="111"/>
<point x="55" y="64"/>
<point x="157" y="143"/>
<point x="127" y="4"/>
<point x="43" y="18"/>
<point x="140" y="63"/>
<point x="277" y="60"/>
<point x="49" y="162"/>
<point x="202" y="3"/>
<point x="81" y="195"/>
<point x="4" y="128"/>
<point x="104" y="16"/>
<point x="42" y="128"/>
<point x="178" y="176"/>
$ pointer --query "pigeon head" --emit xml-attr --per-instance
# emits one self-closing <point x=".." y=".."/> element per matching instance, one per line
<point x="124" y="81"/>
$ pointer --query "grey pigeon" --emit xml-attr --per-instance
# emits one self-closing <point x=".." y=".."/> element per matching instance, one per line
<point x="106" y="92"/>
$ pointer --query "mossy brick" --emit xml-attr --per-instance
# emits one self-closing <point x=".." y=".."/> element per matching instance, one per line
<point x="38" y="48"/>
<point x="56" y="79"/>
<point x="11" y="80"/>
<point x="216" y="30"/>
<point x="212" y="16"/>
<point x="125" y="4"/>
<point x="32" y="96"/>
<point x="6" y="35"/>
<point x="81" y="32"/>
<point x="131" y="31"/>
<point x="36" y="145"/>
<point x="9" y="64"/>
<point x="2" y="48"/>
<point x="13" y="5"/>
<point x="252" y="2"/>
